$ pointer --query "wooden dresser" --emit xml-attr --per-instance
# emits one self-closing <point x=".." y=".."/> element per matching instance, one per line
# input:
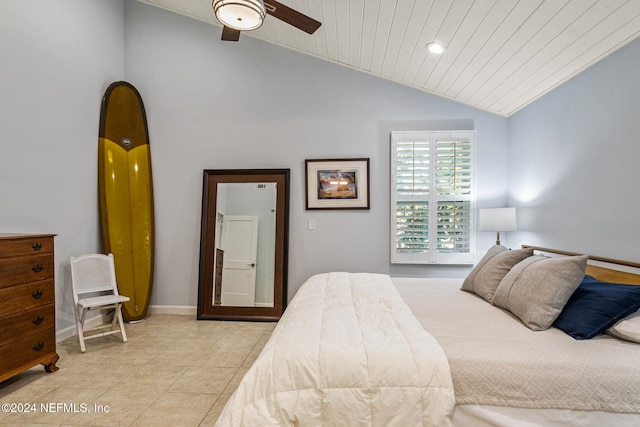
<point x="27" y="303"/>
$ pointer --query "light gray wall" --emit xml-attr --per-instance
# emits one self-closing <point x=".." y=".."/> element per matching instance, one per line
<point x="574" y="162"/>
<point x="210" y="105"/>
<point x="217" y="105"/>
<point x="572" y="157"/>
<point x="56" y="60"/>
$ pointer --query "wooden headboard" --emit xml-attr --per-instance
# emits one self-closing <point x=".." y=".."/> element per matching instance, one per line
<point x="605" y="270"/>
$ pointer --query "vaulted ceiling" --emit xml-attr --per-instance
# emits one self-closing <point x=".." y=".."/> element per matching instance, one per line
<point x="500" y="55"/>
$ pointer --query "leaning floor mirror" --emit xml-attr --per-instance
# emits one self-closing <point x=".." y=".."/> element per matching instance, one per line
<point x="243" y="244"/>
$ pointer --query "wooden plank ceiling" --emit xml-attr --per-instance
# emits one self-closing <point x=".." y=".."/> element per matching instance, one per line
<point x="500" y="55"/>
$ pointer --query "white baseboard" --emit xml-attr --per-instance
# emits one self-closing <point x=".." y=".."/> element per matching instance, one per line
<point x="263" y="304"/>
<point x="173" y="309"/>
<point x="71" y="331"/>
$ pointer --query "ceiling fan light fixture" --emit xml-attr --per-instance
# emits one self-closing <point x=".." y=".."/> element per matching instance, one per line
<point x="240" y="14"/>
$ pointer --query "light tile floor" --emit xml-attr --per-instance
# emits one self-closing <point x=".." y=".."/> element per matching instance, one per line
<point x="173" y="371"/>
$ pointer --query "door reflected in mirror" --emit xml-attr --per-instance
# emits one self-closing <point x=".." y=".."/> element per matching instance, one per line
<point x="243" y="244"/>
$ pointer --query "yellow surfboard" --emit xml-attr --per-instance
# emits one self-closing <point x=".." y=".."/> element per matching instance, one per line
<point x="126" y="195"/>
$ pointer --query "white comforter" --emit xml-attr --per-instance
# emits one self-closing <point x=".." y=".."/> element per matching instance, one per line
<point x="347" y="352"/>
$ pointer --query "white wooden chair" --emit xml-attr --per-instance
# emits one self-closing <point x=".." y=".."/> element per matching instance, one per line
<point x="93" y="279"/>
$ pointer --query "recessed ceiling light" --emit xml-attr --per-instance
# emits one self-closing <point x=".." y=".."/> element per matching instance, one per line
<point x="435" y="48"/>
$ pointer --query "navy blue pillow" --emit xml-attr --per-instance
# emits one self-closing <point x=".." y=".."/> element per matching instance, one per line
<point x="596" y="306"/>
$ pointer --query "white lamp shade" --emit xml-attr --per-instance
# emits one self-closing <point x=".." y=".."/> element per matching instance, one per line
<point x="240" y="14"/>
<point x="498" y="219"/>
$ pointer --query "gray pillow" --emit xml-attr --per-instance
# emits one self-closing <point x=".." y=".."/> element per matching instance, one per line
<point x="494" y="265"/>
<point x="537" y="289"/>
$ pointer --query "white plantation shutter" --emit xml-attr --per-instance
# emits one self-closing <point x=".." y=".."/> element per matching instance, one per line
<point x="432" y="201"/>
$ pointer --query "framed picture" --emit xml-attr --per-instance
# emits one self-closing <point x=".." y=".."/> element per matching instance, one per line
<point x="337" y="183"/>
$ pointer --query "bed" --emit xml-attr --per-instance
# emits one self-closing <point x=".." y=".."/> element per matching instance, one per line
<point x="367" y="349"/>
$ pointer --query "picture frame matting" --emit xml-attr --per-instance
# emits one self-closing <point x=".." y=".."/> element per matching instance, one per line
<point x="337" y="183"/>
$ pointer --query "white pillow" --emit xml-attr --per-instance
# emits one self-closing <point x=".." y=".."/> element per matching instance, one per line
<point x="627" y="328"/>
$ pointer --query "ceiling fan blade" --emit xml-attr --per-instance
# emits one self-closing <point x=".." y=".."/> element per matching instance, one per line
<point x="230" y="34"/>
<point x="292" y="17"/>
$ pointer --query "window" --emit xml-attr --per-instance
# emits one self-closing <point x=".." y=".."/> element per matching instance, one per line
<point x="432" y="197"/>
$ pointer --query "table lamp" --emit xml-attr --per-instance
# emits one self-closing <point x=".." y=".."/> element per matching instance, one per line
<point x="498" y="219"/>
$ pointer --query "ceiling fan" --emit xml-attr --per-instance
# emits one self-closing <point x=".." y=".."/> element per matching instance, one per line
<point x="244" y="15"/>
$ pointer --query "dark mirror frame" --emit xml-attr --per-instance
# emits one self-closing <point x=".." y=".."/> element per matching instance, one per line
<point x="206" y="309"/>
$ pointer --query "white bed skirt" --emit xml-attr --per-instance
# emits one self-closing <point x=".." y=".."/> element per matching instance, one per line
<point x="502" y="416"/>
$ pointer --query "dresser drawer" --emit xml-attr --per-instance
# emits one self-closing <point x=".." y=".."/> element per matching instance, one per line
<point x="25" y="351"/>
<point x="26" y="324"/>
<point x="16" y="299"/>
<point x="25" y="269"/>
<point x="28" y="245"/>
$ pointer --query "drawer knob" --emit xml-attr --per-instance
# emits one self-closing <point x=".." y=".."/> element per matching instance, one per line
<point x="37" y="294"/>
<point x="37" y="268"/>
<point x="38" y="320"/>
<point x="38" y="346"/>
<point x="36" y="246"/>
